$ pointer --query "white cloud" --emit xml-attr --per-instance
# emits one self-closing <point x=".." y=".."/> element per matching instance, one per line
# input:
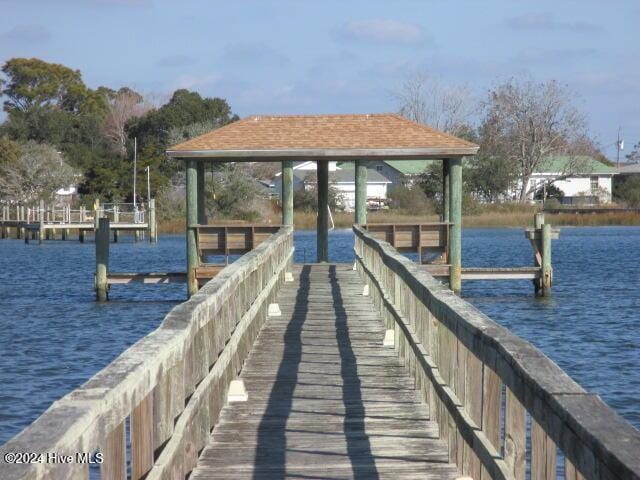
<point x="382" y="31"/>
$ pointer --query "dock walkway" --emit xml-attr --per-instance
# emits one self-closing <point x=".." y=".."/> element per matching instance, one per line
<point x="326" y="399"/>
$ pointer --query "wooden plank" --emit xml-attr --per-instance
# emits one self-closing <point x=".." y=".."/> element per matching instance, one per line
<point x="114" y="461"/>
<point x="515" y="441"/>
<point x="142" y="438"/>
<point x="543" y="454"/>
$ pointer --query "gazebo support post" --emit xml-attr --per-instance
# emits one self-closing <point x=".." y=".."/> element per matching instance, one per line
<point x="455" y="214"/>
<point x="287" y="192"/>
<point x="446" y="197"/>
<point x="361" y="192"/>
<point x="323" y="211"/>
<point x="202" y="218"/>
<point x="192" y="220"/>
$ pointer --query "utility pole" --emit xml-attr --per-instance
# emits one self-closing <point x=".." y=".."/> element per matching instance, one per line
<point x="619" y="146"/>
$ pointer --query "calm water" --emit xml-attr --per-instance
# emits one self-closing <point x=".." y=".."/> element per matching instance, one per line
<point x="54" y="336"/>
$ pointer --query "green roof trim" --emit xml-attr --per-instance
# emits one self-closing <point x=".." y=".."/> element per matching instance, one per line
<point x="584" y="165"/>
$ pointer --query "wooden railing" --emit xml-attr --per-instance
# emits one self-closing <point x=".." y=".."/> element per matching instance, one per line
<point x="166" y="390"/>
<point x="502" y="406"/>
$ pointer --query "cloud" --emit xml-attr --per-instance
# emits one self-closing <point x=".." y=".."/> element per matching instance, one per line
<point x="538" y="55"/>
<point x="383" y="32"/>
<point x="546" y="22"/>
<point x="173" y="61"/>
<point x="253" y="53"/>
<point x="32" y="34"/>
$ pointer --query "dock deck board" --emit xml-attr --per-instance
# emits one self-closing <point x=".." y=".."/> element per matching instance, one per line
<point x="326" y="400"/>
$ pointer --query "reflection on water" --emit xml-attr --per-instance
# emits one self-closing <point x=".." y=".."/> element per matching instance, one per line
<point x="53" y="335"/>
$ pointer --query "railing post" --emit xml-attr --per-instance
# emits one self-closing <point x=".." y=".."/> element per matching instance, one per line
<point x="153" y="227"/>
<point x="102" y="259"/>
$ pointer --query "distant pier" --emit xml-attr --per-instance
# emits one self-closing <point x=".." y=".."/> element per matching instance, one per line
<point x="43" y="222"/>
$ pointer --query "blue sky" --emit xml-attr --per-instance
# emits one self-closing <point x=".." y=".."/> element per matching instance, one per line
<point x="303" y="56"/>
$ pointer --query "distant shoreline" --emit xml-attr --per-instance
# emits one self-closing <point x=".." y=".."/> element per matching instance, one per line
<point x="497" y="219"/>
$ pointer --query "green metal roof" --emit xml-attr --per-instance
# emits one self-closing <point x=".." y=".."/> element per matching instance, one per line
<point x="583" y="165"/>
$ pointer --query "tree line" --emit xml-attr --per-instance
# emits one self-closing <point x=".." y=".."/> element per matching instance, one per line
<point x="58" y="132"/>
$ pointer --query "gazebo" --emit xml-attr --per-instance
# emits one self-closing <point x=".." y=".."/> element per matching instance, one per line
<point x="323" y="138"/>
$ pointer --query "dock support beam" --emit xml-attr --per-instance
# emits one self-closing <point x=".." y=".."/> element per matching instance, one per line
<point x="323" y="211"/>
<point x="102" y="259"/>
<point x="287" y="192"/>
<point x="202" y="217"/>
<point x="446" y="192"/>
<point x="192" y="220"/>
<point x="455" y="217"/>
<point x="153" y="227"/>
<point x="41" y="219"/>
<point x="361" y="192"/>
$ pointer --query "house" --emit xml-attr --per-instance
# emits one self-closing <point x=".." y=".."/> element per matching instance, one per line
<point x="582" y="179"/>
<point x="341" y="178"/>
<point x="382" y="177"/>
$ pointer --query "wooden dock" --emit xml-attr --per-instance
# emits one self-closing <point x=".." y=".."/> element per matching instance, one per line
<point x="44" y="222"/>
<point x="326" y="400"/>
<point x="369" y="371"/>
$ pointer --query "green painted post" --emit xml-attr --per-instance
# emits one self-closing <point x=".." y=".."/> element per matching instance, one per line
<point x="192" y="220"/>
<point x="446" y="198"/>
<point x="102" y="259"/>
<point x="322" y="230"/>
<point x="455" y="214"/>
<point x="202" y="217"/>
<point x="538" y="222"/>
<point x="547" y="271"/>
<point x="153" y="228"/>
<point x="361" y="192"/>
<point x="287" y="192"/>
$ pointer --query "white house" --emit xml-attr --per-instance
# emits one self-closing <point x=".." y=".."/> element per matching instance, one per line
<point x="382" y="177"/>
<point x="581" y="179"/>
<point x="341" y="178"/>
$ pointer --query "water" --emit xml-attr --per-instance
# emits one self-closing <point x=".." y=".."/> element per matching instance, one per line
<point x="54" y="336"/>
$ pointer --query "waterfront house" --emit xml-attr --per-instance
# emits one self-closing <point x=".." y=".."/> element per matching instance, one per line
<point x="582" y="180"/>
<point x="382" y="177"/>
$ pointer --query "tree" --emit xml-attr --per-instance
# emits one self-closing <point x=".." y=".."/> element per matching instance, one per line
<point x="528" y="123"/>
<point x="427" y="100"/>
<point x="634" y="156"/>
<point x="122" y="106"/>
<point x="490" y="177"/>
<point x="10" y="152"/>
<point x="37" y="174"/>
<point x="32" y="82"/>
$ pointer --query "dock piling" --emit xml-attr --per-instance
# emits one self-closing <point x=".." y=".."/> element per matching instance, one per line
<point x="102" y="259"/>
<point x="547" y="272"/>
<point x="153" y="228"/>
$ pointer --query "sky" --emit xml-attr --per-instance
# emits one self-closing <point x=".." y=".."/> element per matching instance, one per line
<point x="303" y="56"/>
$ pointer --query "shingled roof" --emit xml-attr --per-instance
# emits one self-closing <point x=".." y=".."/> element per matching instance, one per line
<point x="276" y="137"/>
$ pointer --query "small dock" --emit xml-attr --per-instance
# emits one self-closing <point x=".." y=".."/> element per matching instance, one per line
<point x="44" y="222"/>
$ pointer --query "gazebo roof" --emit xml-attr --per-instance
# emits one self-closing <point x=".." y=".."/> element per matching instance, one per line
<point x="346" y="137"/>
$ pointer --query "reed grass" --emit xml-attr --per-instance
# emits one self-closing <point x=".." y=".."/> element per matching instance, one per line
<point x="487" y="217"/>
